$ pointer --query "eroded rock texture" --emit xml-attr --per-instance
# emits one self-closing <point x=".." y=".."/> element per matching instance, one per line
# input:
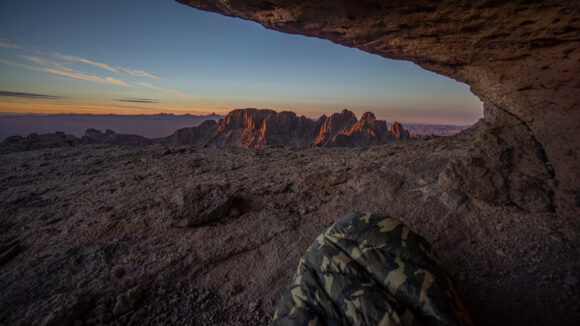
<point x="154" y="235"/>
<point x="36" y="141"/>
<point x="184" y="235"/>
<point x="520" y="57"/>
<point x="253" y="128"/>
<point x="93" y="136"/>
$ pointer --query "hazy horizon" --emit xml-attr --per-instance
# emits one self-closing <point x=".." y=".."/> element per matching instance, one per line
<point x="107" y="57"/>
<point x="219" y="115"/>
<point x="147" y="125"/>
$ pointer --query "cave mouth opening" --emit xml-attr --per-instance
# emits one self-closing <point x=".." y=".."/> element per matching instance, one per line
<point x="220" y="64"/>
<point x="256" y="67"/>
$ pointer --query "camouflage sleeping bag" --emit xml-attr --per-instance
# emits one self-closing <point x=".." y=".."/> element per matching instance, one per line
<point x="369" y="269"/>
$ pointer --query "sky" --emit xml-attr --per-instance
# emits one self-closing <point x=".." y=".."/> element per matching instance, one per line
<point x="152" y="56"/>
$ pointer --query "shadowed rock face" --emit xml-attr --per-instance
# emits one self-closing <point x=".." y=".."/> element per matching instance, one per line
<point x="367" y="131"/>
<point x="240" y="127"/>
<point x="399" y="132"/>
<point x="521" y="58"/>
<point x="93" y="136"/>
<point x="286" y="129"/>
<point x="194" y="136"/>
<point x="333" y="126"/>
<point x="36" y="141"/>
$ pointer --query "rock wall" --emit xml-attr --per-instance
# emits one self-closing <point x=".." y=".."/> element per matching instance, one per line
<point x="519" y="57"/>
<point x="504" y="166"/>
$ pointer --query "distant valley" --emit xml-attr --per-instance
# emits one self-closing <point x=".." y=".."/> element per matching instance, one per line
<point x="434" y="129"/>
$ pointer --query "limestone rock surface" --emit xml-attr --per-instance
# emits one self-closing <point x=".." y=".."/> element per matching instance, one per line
<point x="214" y="235"/>
<point x="194" y="206"/>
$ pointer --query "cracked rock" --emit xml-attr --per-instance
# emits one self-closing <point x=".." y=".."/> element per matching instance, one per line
<point x="197" y="205"/>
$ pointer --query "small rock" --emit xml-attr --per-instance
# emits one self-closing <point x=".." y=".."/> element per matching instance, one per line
<point x="203" y="297"/>
<point x="122" y="305"/>
<point x="102" y="301"/>
<point x="500" y="252"/>
<point x="253" y="306"/>
<point x="124" y="319"/>
<point x="128" y="300"/>
<point x="196" y="206"/>
<point x="236" y="288"/>
<point x="118" y="271"/>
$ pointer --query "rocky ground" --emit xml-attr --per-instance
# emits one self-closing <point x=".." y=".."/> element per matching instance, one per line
<point x="161" y="235"/>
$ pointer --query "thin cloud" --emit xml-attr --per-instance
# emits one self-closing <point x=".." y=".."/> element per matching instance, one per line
<point x="44" y="62"/>
<point x="137" y="100"/>
<point x="30" y="95"/>
<point x="7" y="45"/>
<point x="166" y="90"/>
<point x="70" y="73"/>
<point x="105" y="66"/>
<point x="172" y="91"/>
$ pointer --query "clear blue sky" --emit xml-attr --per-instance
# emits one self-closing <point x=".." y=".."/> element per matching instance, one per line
<point x="153" y="56"/>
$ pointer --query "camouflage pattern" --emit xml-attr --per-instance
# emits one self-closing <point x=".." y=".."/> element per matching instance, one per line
<point x="370" y="269"/>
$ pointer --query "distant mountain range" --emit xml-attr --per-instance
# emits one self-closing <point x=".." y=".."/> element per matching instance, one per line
<point x="253" y="128"/>
<point x="147" y="125"/>
<point x="248" y="128"/>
